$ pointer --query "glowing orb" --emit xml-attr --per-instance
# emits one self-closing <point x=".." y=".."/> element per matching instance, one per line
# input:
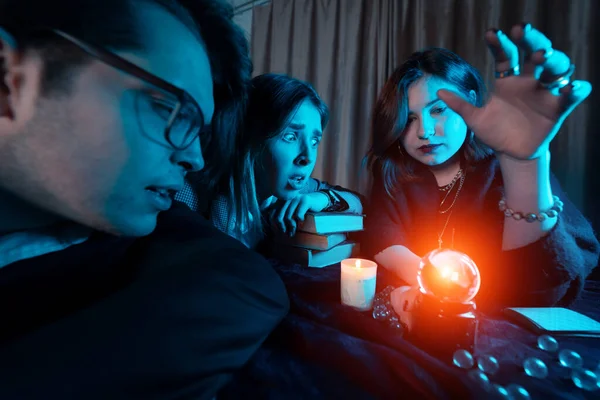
<point x="449" y="275"/>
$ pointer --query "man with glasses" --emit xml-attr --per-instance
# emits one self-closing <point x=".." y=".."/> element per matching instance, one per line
<point x="104" y="109"/>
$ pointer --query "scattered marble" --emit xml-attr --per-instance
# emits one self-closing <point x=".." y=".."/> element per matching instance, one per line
<point x="463" y="359"/>
<point x="585" y="379"/>
<point x="547" y="343"/>
<point x="535" y="368"/>
<point x="570" y="359"/>
<point x="488" y="364"/>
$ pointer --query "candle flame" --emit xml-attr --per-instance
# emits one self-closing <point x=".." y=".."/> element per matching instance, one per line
<point x="357" y="264"/>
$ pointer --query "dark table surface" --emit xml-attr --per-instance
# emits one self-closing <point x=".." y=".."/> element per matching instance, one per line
<point x="326" y="350"/>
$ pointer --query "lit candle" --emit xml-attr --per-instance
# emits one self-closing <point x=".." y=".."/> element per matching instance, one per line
<point x="358" y="281"/>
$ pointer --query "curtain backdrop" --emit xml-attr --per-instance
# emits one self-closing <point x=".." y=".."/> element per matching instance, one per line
<point x="347" y="49"/>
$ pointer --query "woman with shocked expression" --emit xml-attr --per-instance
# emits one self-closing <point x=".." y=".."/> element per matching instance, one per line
<point x="289" y="157"/>
<point x="277" y="151"/>
<point x="285" y="123"/>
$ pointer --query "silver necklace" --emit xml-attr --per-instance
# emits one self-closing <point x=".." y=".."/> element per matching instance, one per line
<point x="450" y="210"/>
<point x="448" y="187"/>
<point x="460" y="185"/>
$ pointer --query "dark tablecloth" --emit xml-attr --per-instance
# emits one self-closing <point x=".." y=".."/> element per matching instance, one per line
<point x="324" y="350"/>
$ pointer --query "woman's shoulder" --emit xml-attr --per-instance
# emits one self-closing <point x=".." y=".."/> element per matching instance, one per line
<point x="219" y="212"/>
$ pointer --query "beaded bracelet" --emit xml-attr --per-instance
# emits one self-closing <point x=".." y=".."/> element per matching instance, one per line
<point x="383" y="310"/>
<point x="556" y="208"/>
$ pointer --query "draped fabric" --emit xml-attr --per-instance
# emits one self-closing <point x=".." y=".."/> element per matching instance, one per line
<point x="347" y="49"/>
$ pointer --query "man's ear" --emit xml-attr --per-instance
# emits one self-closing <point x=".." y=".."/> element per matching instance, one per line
<point x="472" y="97"/>
<point x="8" y="57"/>
<point x="19" y="79"/>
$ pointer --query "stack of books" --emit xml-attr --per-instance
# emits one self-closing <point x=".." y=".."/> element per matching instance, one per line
<point x="321" y="240"/>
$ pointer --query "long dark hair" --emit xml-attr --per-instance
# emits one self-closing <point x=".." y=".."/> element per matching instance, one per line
<point x="272" y="101"/>
<point x="229" y="55"/>
<point x="390" y="115"/>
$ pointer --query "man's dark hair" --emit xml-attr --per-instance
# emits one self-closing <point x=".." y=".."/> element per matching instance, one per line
<point x="111" y="24"/>
<point x="229" y="54"/>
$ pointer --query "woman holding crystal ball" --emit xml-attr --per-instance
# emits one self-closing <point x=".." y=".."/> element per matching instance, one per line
<point x="452" y="170"/>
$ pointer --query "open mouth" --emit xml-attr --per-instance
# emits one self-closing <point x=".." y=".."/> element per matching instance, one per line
<point x="162" y="192"/>
<point x="160" y="198"/>
<point x="297" y="182"/>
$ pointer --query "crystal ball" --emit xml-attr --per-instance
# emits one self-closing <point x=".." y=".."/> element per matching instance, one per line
<point x="449" y="275"/>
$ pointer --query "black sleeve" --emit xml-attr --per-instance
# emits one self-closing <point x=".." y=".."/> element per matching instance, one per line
<point x="200" y="304"/>
<point x="550" y="271"/>
<point x="383" y="224"/>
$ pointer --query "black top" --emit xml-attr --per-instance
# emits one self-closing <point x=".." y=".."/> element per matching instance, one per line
<point x="170" y="315"/>
<point x="548" y="272"/>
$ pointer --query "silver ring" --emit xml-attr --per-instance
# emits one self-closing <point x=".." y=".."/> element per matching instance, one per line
<point x="514" y="71"/>
<point x="561" y="81"/>
<point x="549" y="52"/>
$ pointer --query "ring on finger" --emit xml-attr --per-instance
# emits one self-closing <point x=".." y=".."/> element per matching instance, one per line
<point x="514" y="71"/>
<point x="560" y="81"/>
<point x="549" y="52"/>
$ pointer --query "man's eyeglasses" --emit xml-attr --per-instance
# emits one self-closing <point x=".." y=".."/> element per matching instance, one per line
<point x="170" y="110"/>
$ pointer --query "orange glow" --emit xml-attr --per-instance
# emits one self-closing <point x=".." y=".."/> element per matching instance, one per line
<point x="448" y="273"/>
<point x="357" y="264"/>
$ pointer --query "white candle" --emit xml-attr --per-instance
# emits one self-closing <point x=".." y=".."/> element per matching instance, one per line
<point x="358" y="281"/>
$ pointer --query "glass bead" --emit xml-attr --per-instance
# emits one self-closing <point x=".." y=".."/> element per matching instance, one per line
<point x="488" y="364"/>
<point x="547" y="343"/>
<point x="541" y="217"/>
<point x="535" y="368"/>
<point x="500" y="392"/>
<point x="517" y="392"/>
<point x="396" y="325"/>
<point x="480" y="378"/>
<point x="570" y="359"/>
<point x="585" y="379"/>
<point x="463" y="359"/>
<point x="380" y="313"/>
<point x="530" y="217"/>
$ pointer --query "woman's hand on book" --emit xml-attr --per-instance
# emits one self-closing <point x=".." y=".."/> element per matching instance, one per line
<point x="285" y="215"/>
